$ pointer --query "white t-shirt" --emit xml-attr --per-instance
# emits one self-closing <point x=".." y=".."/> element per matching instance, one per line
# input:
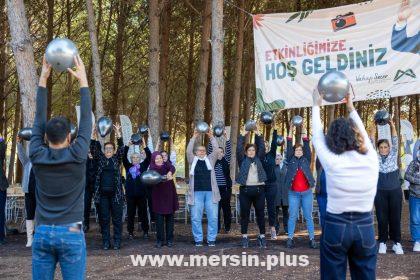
<point x="351" y="177"/>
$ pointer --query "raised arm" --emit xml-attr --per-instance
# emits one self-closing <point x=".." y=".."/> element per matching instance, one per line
<point x="190" y="148"/>
<point x="80" y="146"/>
<point x="38" y="129"/>
<point x="273" y="146"/>
<point x="412" y="175"/>
<point x="215" y="145"/>
<point x="22" y="155"/>
<point x="228" y="151"/>
<point x="126" y="162"/>
<point x="120" y="150"/>
<point x="240" y="155"/>
<point x="148" y="158"/>
<point x="259" y="142"/>
<point x="307" y="153"/>
<point x="150" y="143"/>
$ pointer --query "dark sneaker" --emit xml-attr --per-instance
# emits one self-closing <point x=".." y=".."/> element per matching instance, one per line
<point x="290" y="243"/>
<point x="170" y="243"/>
<point x="146" y="235"/>
<point x="313" y="244"/>
<point x="199" y="244"/>
<point x="245" y="242"/>
<point x="211" y="243"/>
<point x="130" y="236"/>
<point x="117" y="245"/>
<point x="106" y="245"/>
<point x="262" y="242"/>
<point x="158" y="244"/>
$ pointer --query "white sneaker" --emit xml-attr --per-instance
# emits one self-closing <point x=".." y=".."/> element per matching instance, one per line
<point x="273" y="234"/>
<point x="382" y="248"/>
<point x="416" y="247"/>
<point x="397" y="248"/>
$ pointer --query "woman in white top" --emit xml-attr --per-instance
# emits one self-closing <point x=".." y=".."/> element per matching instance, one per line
<point x="351" y="167"/>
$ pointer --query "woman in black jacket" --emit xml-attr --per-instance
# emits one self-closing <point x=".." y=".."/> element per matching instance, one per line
<point x="108" y="187"/>
<point x="282" y="196"/>
<point x="251" y="178"/>
<point x="135" y="191"/>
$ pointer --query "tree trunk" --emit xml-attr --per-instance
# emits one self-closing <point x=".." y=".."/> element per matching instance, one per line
<point x="119" y="57"/>
<point x="201" y="86"/>
<point x="24" y="58"/>
<point x="163" y="67"/>
<point x="16" y="123"/>
<point x="50" y="35"/>
<point x="153" y="108"/>
<point x="237" y="88"/>
<point x="3" y="67"/>
<point x="190" y="91"/>
<point x="96" y="63"/>
<point x="217" y="82"/>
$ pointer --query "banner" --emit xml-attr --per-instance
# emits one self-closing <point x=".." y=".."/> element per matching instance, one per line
<point x="376" y="44"/>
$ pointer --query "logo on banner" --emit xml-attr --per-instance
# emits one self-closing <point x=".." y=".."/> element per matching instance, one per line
<point x="400" y="74"/>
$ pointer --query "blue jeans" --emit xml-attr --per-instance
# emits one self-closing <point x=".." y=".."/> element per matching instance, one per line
<point x="348" y="236"/>
<point x="415" y="218"/>
<point x="54" y="244"/>
<point x="322" y="205"/>
<point x="3" y="196"/>
<point x="203" y="200"/>
<point x="295" y="199"/>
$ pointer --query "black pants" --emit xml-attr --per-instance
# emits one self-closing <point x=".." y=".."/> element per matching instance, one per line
<point x="88" y="204"/>
<point x="30" y="205"/>
<point x="270" y="191"/>
<point x="388" y="205"/>
<point x="137" y="204"/>
<point x="3" y="197"/>
<point x="164" y="224"/>
<point x="149" y="204"/>
<point x="224" y="205"/>
<point x="252" y="195"/>
<point x="110" y="208"/>
<point x="285" y="212"/>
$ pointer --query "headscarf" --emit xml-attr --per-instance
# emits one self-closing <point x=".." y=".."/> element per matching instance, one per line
<point x="153" y="165"/>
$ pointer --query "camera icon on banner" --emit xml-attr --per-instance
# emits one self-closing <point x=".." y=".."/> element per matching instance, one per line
<point x="343" y="21"/>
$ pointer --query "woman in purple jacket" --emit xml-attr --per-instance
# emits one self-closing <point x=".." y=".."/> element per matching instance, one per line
<point x="164" y="200"/>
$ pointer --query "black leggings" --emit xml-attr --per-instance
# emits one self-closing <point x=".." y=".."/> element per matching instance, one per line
<point x="285" y="212"/>
<point x="252" y="195"/>
<point x="30" y="205"/>
<point x="224" y="204"/>
<point x="270" y="190"/>
<point x="388" y="205"/>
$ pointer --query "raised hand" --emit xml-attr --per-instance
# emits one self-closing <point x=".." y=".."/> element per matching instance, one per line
<point x="196" y="133"/>
<point x="316" y="97"/>
<point x="349" y="103"/>
<point x="210" y="133"/>
<point x="45" y="72"/>
<point x="117" y="128"/>
<point x="405" y="11"/>
<point x="80" y="72"/>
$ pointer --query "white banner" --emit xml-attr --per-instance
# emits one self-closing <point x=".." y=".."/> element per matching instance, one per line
<point x="376" y="44"/>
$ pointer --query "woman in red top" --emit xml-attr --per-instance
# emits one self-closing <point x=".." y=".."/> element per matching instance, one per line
<point x="300" y="181"/>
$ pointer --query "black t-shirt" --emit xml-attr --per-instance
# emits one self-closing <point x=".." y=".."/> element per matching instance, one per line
<point x="107" y="178"/>
<point x="202" y="177"/>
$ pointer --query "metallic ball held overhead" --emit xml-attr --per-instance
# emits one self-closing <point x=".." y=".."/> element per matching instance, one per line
<point x="202" y="127"/>
<point x="297" y="120"/>
<point x="267" y="117"/>
<point x="382" y="117"/>
<point x="104" y="126"/>
<point x="60" y="54"/>
<point x="334" y="86"/>
<point x="25" y="133"/>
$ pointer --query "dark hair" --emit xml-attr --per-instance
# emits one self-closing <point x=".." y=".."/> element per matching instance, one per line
<point x="222" y="149"/>
<point x="297" y="145"/>
<point x="382" y="141"/>
<point x="57" y="130"/>
<point x="109" y="143"/>
<point x="248" y="146"/>
<point x="343" y="135"/>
